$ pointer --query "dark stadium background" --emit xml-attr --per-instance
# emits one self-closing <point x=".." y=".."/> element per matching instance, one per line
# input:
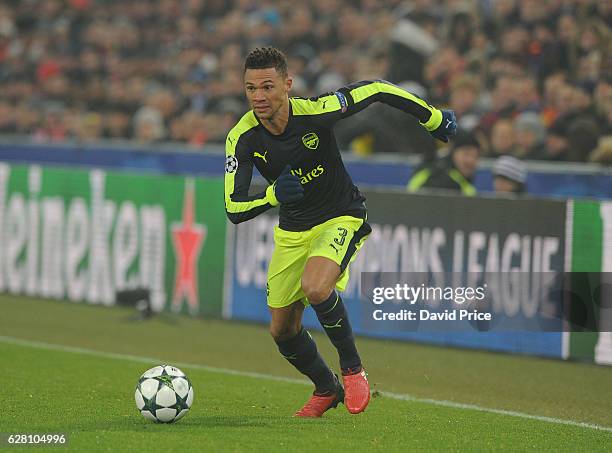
<point x="113" y="118"/>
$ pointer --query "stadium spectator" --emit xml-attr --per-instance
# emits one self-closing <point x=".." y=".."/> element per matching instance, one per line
<point x="463" y="100"/>
<point x="149" y="125"/>
<point x="603" y="153"/>
<point x="530" y="134"/>
<point x="503" y="138"/>
<point x="503" y="102"/>
<point x="557" y="145"/>
<point x="603" y="105"/>
<point x="116" y="124"/>
<point x="529" y="98"/>
<point x="552" y="84"/>
<point x="452" y="172"/>
<point x="181" y="57"/>
<point x="7" y="122"/>
<point x="53" y="129"/>
<point x="509" y="175"/>
<point x="582" y="136"/>
<point x="441" y="71"/>
<point x="90" y="127"/>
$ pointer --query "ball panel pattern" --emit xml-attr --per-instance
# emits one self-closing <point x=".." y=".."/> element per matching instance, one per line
<point x="148" y="387"/>
<point x="165" y="414"/>
<point x="153" y="372"/>
<point x="173" y="371"/>
<point x="164" y="394"/>
<point x="139" y="400"/>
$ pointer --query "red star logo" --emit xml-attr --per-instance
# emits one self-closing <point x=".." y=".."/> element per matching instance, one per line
<point x="187" y="238"/>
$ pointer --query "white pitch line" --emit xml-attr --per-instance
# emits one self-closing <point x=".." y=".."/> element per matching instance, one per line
<point x="270" y="377"/>
<point x="474" y="407"/>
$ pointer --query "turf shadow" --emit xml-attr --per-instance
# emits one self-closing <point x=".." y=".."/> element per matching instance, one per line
<point x="191" y="421"/>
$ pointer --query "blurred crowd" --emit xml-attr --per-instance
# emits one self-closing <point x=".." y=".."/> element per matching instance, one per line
<point x="529" y="78"/>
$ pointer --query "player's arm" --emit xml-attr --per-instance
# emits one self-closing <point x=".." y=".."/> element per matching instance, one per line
<point x="353" y="98"/>
<point x="239" y="205"/>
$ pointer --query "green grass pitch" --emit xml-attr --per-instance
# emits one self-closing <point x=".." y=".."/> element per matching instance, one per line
<point x="73" y="368"/>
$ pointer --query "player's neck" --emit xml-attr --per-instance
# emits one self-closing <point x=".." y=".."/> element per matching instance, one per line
<point x="277" y="123"/>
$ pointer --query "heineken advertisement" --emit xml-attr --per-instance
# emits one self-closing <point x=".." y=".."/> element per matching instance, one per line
<point x="589" y="239"/>
<point x="83" y="235"/>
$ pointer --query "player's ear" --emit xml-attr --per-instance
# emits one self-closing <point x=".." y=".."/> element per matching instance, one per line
<point x="288" y="83"/>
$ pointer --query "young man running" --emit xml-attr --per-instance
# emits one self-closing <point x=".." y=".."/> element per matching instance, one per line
<point x="322" y="222"/>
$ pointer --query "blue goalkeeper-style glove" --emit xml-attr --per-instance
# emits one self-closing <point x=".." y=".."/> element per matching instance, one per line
<point x="287" y="187"/>
<point x="447" y="128"/>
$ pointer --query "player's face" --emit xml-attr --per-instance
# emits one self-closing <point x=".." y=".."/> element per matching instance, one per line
<point x="266" y="90"/>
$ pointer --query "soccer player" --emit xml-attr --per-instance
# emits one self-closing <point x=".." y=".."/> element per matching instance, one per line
<point x="322" y="222"/>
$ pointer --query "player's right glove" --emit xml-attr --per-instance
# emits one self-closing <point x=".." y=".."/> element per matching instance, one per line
<point x="447" y="128"/>
<point x="287" y="187"/>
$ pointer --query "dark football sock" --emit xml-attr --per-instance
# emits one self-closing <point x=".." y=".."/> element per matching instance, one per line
<point x="334" y="319"/>
<point x="301" y="352"/>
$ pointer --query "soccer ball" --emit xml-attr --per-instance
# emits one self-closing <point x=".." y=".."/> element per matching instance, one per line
<point x="163" y="394"/>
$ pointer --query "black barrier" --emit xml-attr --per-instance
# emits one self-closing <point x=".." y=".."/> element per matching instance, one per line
<point x="476" y="235"/>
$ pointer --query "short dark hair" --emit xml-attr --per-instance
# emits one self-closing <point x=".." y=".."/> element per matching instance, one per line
<point x="267" y="57"/>
<point x="464" y="138"/>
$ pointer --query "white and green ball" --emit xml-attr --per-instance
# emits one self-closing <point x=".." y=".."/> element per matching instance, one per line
<point x="164" y="394"/>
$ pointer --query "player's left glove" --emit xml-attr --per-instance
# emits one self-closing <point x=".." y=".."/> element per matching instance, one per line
<point x="288" y="187"/>
<point x="447" y="128"/>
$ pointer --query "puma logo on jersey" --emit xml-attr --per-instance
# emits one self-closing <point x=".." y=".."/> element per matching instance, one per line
<point x="263" y="157"/>
<point x="324" y="102"/>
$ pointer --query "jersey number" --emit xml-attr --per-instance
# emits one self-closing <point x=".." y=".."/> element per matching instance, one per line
<point x="343" y="233"/>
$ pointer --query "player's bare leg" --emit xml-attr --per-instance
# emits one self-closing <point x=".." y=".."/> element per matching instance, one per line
<point x="287" y="321"/>
<point x="318" y="283"/>
<point x="298" y="347"/>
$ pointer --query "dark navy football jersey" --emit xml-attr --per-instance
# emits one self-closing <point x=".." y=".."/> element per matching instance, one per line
<point x="309" y="146"/>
